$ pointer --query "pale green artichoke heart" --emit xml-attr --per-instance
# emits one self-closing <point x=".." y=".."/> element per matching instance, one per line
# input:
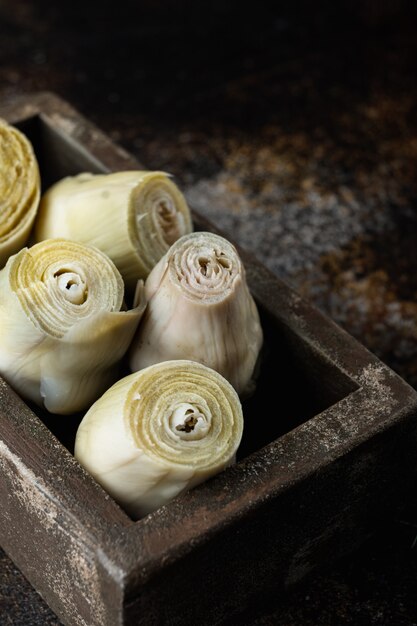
<point x="62" y="330"/>
<point x="200" y="308"/>
<point x="160" y="431"/>
<point x="19" y="190"/>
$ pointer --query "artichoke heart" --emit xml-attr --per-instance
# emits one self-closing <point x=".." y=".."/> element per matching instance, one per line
<point x="158" y="432"/>
<point x="62" y="330"/>
<point x="132" y="216"/>
<point x="200" y="308"/>
<point x="19" y="190"/>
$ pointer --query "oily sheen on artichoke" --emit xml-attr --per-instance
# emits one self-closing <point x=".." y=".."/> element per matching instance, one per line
<point x="200" y="308"/>
<point x="132" y="216"/>
<point x="19" y="190"/>
<point x="159" y="432"/>
<point x="62" y="330"/>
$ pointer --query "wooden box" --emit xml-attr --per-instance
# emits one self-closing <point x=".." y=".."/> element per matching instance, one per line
<point x="329" y="446"/>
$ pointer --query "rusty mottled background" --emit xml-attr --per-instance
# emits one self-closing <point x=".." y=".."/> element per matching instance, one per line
<point x="293" y="125"/>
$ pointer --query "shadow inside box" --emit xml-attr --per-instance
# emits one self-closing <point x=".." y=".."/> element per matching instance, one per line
<point x="294" y="383"/>
<point x="58" y="155"/>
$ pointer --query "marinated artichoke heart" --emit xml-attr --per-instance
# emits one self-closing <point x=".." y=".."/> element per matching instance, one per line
<point x="62" y="331"/>
<point x="19" y="190"/>
<point x="159" y="432"/>
<point x="131" y="216"/>
<point x="200" y="308"/>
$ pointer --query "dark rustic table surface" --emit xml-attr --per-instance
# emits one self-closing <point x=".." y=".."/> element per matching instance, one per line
<point x="293" y="125"/>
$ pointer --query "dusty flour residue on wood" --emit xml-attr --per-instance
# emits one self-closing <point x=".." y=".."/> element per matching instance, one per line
<point x="75" y="576"/>
<point x="380" y="398"/>
<point x="344" y="427"/>
<point x="28" y="489"/>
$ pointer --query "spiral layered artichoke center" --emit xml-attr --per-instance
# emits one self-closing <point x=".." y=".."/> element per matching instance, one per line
<point x="168" y="219"/>
<point x="72" y="286"/>
<point x="189" y="422"/>
<point x="59" y="282"/>
<point x="205" y="271"/>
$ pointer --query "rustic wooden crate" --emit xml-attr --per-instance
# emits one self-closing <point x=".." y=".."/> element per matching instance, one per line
<point x="329" y="446"/>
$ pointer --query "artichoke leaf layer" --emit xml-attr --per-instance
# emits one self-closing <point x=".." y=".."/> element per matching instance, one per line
<point x="200" y="308"/>
<point x="19" y="190"/>
<point x="160" y="431"/>
<point x="62" y="327"/>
